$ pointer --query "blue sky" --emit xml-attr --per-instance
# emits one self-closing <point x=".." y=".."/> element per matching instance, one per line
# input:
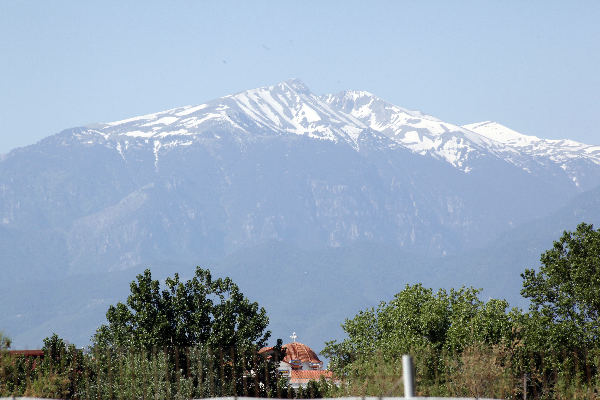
<point x="533" y="66"/>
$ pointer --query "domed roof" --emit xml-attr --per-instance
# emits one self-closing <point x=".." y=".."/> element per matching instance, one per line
<point x="295" y="351"/>
<point x="300" y="351"/>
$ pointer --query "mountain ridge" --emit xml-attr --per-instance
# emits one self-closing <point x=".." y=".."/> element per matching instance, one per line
<point x="348" y="185"/>
<point x="290" y="108"/>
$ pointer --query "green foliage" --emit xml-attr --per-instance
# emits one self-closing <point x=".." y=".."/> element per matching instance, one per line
<point x="199" y="338"/>
<point x="127" y="374"/>
<point x="204" y="330"/>
<point x="481" y="371"/>
<point x="57" y="375"/>
<point x="192" y="339"/>
<point x="565" y="293"/>
<point x="466" y="347"/>
<point x="418" y="319"/>
<point x="53" y="376"/>
<point x="184" y="314"/>
<point x="109" y="373"/>
<point x="15" y="375"/>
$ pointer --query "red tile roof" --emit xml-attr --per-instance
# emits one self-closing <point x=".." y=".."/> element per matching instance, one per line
<point x="303" y="376"/>
<point x="299" y="351"/>
<point x="295" y="351"/>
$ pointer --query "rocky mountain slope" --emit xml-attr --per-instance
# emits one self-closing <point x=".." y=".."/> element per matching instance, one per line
<point x="244" y="176"/>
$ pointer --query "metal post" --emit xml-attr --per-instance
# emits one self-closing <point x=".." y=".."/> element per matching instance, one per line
<point x="407" y="373"/>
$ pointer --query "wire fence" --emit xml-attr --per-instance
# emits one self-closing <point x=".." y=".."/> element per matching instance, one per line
<point x="197" y="372"/>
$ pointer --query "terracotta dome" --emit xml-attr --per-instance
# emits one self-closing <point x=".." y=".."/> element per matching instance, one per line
<point x="295" y="351"/>
<point x="299" y="351"/>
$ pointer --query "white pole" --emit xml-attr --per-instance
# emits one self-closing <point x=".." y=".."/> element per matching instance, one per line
<point x="407" y="373"/>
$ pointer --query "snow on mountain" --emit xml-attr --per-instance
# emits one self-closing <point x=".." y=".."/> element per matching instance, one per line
<point x="286" y="108"/>
<point x="462" y="146"/>
<point x="277" y="181"/>
<point x="289" y="108"/>
<point x="502" y="134"/>
<point x="565" y="153"/>
<point x="421" y="133"/>
<point x="560" y="150"/>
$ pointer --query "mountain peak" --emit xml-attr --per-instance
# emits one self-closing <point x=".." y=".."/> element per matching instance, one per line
<point x="358" y="94"/>
<point x="296" y="85"/>
<point x="289" y="108"/>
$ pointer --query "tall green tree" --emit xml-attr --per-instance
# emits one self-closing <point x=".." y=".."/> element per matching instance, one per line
<point x="565" y="292"/>
<point x="203" y="329"/>
<point x="200" y="311"/>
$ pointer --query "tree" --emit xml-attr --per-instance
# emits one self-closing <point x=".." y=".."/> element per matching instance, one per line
<point x="200" y="311"/>
<point x="60" y="372"/>
<point x="565" y="293"/>
<point x="417" y="319"/>
<point x="203" y="329"/>
<point x="437" y="328"/>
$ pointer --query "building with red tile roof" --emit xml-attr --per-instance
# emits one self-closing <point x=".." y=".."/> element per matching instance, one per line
<point x="298" y="356"/>
<point x="300" y="364"/>
<point x="301" y="377"/>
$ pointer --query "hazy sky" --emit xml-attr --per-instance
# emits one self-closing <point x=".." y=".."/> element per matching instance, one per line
<point x="531" y="65"/>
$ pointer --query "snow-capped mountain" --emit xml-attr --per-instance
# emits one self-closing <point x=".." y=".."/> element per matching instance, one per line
<point x="360" y="168"/>
<point x="249" y="176"/>
<point x="421" y="133"/>
<point x="353" y="118"/>
<point x="572" y="157"/>
<point x="461" y="145"/>
<point x="286" y="108"/>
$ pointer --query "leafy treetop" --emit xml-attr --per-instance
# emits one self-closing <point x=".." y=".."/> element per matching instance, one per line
<point x="565" y="293"/>
<point x="418" y="318"/>
<point x="198" y="311"/>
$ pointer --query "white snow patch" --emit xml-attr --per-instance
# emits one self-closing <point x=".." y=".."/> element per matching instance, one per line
<point x="592" y="149"/>
<point x="190" y="110"/>
<point x="141" y="134"/>
<point x="128" y="120"/>
<point x="352" y="131"/>
<point x="120" y="150"/>
<point x="500" y="133"/>
<point x="194" y="122"/>
<point x="310" y="114"/>
<point x="157" y="146"/>
<point x="177" y="143"/>
<point x="162" y="121"/>
<point x="177" y="132"/>
<point x="412" y="137"/>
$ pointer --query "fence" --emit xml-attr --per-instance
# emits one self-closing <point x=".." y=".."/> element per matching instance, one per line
<point x="173" y="374"/>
